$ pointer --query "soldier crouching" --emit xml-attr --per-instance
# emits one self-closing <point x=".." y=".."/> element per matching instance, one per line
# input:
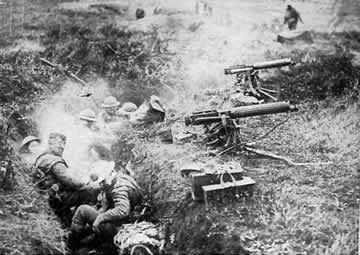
<point x="119" y="195"/>
<point x="51" y="174"/>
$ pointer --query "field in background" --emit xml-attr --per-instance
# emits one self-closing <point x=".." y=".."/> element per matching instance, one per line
<point x="294" y="210"/>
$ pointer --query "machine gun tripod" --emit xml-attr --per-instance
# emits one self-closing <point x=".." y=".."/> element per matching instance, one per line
<point x="248" y="79"/>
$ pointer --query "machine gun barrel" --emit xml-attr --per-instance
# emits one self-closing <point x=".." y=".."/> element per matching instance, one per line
<point x="258" y="66"/>
<point x="214" y="116"/>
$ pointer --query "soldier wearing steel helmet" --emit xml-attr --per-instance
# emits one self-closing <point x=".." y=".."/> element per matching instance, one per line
<point x="119" y="195"/>
<point x="127" y="109"/>
<point x="52" y="174"/>
<point x="88" y="119"/>
<point x="110" y="107"/>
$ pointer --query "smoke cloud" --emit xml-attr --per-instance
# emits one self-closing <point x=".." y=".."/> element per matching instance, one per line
<point x="60" y="113"/>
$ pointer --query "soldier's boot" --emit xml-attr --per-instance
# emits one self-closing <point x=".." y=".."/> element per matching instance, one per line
<point x="76" y="237"/>
<point x="87" y="240"/>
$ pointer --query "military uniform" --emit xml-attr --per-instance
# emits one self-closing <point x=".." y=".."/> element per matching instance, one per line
<point x="150" y="111"/>
<point x="89" y="117"/>
<point x="108" y="118"/>
<point x="117" y="201"/>
<point x="291" y="17"/>
<point x="110" y="106"/>
<point x="51" y="174"/>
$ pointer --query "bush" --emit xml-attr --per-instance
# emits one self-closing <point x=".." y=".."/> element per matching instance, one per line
<point x="324" y="76"/>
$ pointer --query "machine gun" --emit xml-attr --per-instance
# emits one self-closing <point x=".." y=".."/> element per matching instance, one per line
<point x="248" y="76"/>
<point x="222" y="127"/>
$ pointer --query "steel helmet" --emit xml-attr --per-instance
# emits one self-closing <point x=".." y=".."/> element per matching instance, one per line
<point x="28" y="140"/>
<point x="110" y="102"/>
<point x="129" y="107"/>
<point x="88" y="115"/>
<point x="155" y="104"/>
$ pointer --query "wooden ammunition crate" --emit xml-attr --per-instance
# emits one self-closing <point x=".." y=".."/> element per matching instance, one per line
<point x="198" y="180"/>
<point x="234" y="186"/>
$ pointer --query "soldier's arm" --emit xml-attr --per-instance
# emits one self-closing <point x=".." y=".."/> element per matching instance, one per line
<point x="300" y="17"/>
<point x="121" y="207"/>
<point x="61" y="172"/>
<point x="286" y="17"/>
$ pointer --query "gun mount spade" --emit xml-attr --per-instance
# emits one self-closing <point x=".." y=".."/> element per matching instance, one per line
<point x="248" y="79"/>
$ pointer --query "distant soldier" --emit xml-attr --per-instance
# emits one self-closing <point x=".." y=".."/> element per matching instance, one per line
<point x="291" y="18"/>
<point x="51" y="174"/>
<point x="140" y="13"/>
<point x="203" y="7"/>
<point x="197" y="7"/>
<point x="119" y="195"/>
<point x="110" y="106"/>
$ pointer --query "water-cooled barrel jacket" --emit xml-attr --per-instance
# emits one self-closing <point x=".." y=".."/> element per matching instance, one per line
<point x="51" y="169"/>
<point x="125" y="195"/>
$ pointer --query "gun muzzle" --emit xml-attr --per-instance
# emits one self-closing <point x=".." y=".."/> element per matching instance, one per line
<point x="274" y="63"/>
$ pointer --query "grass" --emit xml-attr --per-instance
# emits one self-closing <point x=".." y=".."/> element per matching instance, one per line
<point x="294" y="210"/>
<point x="28" y="226"/>
<point x="301" y="210"/>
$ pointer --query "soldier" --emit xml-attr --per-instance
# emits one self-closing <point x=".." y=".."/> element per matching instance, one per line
<point x="150" y="111"/>
<point x="292" y="16"/>
<point x="197" y="7"/>
<point x="126" y="109"/>
<point x="139" y="13"/>
<point x="88" y="119"/>
<point x="110" y="105"/>
<point x="119" y="195"/>
<point x="51" y="173"/>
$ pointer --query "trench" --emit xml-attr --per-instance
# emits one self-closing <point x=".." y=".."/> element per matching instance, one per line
<point x="71" y="44"/>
